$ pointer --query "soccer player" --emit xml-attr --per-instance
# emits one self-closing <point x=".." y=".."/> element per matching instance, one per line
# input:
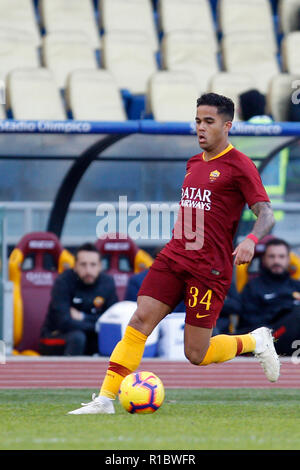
<point x="197" y="263"/>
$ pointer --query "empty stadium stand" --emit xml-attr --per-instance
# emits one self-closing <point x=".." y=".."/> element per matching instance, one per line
<point x="60" y="16"/>
<point x="134" y="39"/>
<point x="172" y="96"/>
<point x="243" y="53"/>
<point x="289" y="15"/>
<point x="279" y="94"/>
<point x="64" y="52"/>
<point x="93" y="95"/>
<point x="19" y="16"/>
<point x="117" y="15"/>
<point x="290" y="54"/>
<point x="16" y="51"/>
<point x="46" y="103"/>
<point x="232" y="85"/>
<point x="192" y="52"/>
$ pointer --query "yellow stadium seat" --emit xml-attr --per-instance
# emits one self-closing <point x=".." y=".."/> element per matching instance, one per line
<point x="232" y="85"/>
<point x="18" y="17"/>
<point x="187" y="15"/>
<point x="172" y="96"/>
<point x="181" y="52"/>
<point x="63" y="16"/>
<point x="252" y="53"/>
<point x="46" y="103"/>
<point x="246" y="16"/>
<point x="130" y="59"/>
<point x="290" y="53"/>
<point x="93" y="95"/>
<point x="129" y="16"/>
<point x="65" y="52"/>
<point x="288" y="14"/>
<point x="279" y="95"/>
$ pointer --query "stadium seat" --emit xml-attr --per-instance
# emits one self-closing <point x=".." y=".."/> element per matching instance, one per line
<point x="129" y="16"/>
<point x="172" y="96"/>
<point x="251" y="53"/>
<point x="289" y="15"/>
<point x="246" y="272"/>
<point x="129" y="57"/>
<point x="93" y="95"/>
<point x="290" y="52"/>
<point x="279" y="95"/>
<point x="16" y="52"/>
<point x="187" y="15"/>
<point x="19" y="16"/>
<point x="33" y="267"/>
<point x="60" y="16"/>
<point x="65" y="52"/>
<point x="232" y="85"/>
<point x="193" y="52"/>
<point x="44" y="103"/>
<point x="121" y="258"/>
<point x="239" y="16"/>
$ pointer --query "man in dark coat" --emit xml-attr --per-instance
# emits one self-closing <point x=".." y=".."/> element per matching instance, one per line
<point x="273" y="298"/>
<point x="79" y="297"/>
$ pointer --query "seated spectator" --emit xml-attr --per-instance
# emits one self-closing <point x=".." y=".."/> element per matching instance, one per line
<point x="273" y="298"/>
<point x="79" y="297"/>
<point x="135" y="283"/>
<point x="252" y="106"/>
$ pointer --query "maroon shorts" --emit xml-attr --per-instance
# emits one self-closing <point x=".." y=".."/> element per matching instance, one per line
<point x="167" y="282"/>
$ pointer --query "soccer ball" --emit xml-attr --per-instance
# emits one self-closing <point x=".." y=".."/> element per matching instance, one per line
<point x="141" y="392"/>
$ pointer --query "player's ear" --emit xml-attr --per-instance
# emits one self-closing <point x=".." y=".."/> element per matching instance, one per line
<point x="228" y="125"/>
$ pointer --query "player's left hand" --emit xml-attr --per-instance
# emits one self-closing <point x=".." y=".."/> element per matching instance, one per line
<point x="244" y="252"/>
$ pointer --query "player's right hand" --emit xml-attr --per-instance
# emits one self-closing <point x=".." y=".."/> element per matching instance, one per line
<point x="244" y="252"/>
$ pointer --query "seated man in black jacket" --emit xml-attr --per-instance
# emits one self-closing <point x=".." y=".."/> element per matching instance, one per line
<point x="273" y="298"/>
<point x="79" y="297"/>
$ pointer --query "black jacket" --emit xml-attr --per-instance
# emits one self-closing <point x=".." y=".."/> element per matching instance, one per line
<point x="266" y="298"/>
<point x="69" y="291"/>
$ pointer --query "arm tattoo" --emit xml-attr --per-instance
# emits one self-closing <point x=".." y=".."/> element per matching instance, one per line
<point x="265" y="219"/>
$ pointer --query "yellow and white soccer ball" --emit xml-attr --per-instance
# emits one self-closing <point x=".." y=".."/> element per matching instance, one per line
<point x="141" y="392"/>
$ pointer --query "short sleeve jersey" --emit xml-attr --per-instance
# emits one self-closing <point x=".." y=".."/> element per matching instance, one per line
<point x="214" y="194"/>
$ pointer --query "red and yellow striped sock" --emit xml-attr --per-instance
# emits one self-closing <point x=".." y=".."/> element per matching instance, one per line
<point x="225" y="347"/>
<point x="125" y="359"/>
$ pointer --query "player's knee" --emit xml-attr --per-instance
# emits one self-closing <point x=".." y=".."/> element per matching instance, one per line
<point x="195" y="356"/>
<point x="141" y="321"/>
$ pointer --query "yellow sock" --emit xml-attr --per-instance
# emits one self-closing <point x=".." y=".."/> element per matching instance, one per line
<point x="225" y="347"/>
<point x="125" y="359"/>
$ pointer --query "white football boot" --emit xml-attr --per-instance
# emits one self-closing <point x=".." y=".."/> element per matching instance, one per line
<point x="98" y="405"/>
<point x="265" y="352"/>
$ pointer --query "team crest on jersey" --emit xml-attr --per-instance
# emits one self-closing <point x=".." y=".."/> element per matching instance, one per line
<point x="98" y="301"/>
<point x="296" y="295"/>
<point x="214" y="175"/>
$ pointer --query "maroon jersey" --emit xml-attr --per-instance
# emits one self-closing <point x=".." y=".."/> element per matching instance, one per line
<point x="214" y="194"/>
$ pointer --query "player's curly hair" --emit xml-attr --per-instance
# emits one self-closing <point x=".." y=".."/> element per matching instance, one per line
<point x="224" y="105"/>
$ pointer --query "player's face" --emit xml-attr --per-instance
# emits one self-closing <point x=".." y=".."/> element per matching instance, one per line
<point x="212" y="128"/>
<point x="88" y="266"/>
<point x="276" y="259"/>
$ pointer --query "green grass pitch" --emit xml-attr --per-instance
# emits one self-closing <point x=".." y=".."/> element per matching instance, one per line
<point x="219" y="419"/>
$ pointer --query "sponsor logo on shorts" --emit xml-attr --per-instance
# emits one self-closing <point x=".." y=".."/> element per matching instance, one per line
<point x="202" y="316"/>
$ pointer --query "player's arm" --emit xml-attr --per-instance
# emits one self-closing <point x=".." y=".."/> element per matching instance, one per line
<point x="265" y="221"/>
